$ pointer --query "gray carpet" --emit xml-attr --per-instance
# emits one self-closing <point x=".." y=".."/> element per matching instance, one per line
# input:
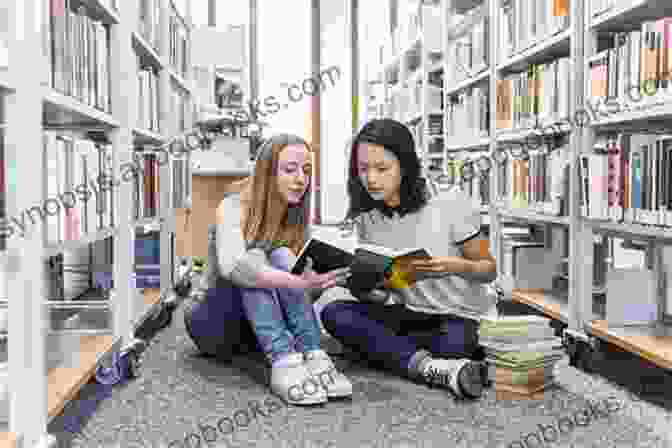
<point x="178" y="391"/>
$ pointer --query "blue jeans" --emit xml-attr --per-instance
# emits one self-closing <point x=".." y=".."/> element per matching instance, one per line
<point x="389" y="335"/>
<point x="283" y="319"/>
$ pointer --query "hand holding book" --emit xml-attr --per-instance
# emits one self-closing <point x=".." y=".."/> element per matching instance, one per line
<point x="436" y="264"/>
<point x="371" y="266"/>
<point x="311" y="279"/>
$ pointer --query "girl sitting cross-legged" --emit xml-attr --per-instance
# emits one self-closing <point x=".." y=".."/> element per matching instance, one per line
<point x="393" y="207"/>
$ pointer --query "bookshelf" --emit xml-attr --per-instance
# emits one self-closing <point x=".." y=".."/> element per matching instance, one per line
<point x="527" y="47"/>
<point x="85" y="105"/>
<point x="409" y="87"/>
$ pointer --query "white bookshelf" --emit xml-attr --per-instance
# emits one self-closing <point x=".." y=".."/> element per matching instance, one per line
<point x="41" y="378"/>
<point x="586" y="324"/>
<point x="410" y="55"/>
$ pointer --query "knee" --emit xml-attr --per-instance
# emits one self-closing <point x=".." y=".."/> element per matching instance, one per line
<point x="280" y="258"/>
<point x="335" y="313"/>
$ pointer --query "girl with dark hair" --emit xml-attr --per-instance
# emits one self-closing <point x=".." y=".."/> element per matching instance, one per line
<point x="392" y="206"/>
<point x="262" y="223"/>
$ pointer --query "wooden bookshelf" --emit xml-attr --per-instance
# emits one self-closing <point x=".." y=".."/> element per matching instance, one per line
<point x="553" y="306"/>
<point x="648" y="341"/>
<point x="8" y="440"/>
<point x="64" y="383"/>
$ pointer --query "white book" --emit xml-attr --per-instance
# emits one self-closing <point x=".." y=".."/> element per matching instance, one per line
<point x="596" y="187"/>
<point x="551" y="346"/>
<point x="108" y="204"/>
<point x="558" y="163"/>
<point x="523" y="319"/>
<point x="52" y="192"/>
<point x="91" y="176"/>
<point x="81" y="190"/>
<point x="604" y="173"/>
<point x="563" y="88"/>
<point x="65" y="188"/>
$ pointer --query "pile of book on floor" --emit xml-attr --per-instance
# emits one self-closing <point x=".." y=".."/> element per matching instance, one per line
<point x="521" y="352"/>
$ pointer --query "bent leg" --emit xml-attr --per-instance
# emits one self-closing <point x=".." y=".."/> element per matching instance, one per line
<point x="264" y="313"/>
<point x="372" y="329"/>
<point x="298" y="311"/>
<point x="217" y="324"/>
<point x="457" y="338"/>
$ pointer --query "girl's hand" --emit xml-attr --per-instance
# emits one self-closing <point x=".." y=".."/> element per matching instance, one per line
<point x="310" y="279"/>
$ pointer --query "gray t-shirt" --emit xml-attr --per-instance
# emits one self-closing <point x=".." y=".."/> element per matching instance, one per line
<point x="440" y="227"/>
<point x="228" y="256"/>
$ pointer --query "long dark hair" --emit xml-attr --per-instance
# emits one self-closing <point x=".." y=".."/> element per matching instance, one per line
<point x="395" y="137"/>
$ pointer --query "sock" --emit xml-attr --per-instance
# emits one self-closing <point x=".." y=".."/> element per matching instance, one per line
<point x="286" y="360"/>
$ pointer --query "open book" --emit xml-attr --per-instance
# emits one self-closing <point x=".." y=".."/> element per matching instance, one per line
<point x="369" y="264"/>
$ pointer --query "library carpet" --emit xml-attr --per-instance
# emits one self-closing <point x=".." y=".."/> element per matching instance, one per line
<point x="179" y="390"/>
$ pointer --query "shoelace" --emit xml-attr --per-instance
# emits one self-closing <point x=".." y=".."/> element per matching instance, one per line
<point x="436" y="376"/>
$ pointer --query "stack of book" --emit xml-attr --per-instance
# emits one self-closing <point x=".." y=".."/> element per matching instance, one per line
<point x="521" y="352"/>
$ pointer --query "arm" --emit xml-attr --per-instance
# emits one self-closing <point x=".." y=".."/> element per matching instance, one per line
<point x="475" y="263"/>
<point x="479" y="264"/>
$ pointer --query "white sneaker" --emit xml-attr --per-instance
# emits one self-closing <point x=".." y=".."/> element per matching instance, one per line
<point x="320" y="365"/>
<point x="292" y="382"/>
<point x="463" y="377"/>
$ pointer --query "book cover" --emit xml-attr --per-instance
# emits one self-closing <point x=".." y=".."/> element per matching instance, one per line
<point x="370" y="264"/>
<point x="325" y="257"/>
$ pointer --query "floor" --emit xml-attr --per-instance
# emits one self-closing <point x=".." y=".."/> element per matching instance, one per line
<point x="182" y="396"/>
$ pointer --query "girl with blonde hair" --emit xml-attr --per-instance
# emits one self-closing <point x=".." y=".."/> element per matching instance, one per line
<point x="262" y="224"/>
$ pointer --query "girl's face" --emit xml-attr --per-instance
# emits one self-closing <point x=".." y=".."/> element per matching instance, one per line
<point x="293" y="173"/>
<point x="380" y="173"/>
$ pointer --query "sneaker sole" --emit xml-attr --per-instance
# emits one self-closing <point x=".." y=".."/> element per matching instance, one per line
<point x="471" y="380"/>
<point x="339" y="395"/>
<point x="307" y="402"/>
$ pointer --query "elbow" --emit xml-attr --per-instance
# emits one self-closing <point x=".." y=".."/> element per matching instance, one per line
<point x="490" y="270"/>
<point x="491" y="267"/>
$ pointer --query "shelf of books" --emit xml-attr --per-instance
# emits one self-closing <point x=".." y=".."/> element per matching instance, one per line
<point x="411" y="72"/>
<point x="627" y="91"/>
<point x="95" y="178"/>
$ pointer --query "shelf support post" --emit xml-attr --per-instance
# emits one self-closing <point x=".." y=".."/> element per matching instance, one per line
<point x="28" y="322"/>
<point x="580" y="295"/>
<point x="123" y="96"/>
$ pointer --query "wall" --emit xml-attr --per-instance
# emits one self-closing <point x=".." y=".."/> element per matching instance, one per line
<point x="191" y="233"/>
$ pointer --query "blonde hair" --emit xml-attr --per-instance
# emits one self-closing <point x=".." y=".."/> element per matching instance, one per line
<point x="269" y="221"/>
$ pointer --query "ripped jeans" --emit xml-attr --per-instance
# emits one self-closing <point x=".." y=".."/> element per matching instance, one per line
<point x="283" y="319"/>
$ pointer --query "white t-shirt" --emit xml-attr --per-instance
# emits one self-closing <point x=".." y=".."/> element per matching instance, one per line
<point x="440" y="227"/>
